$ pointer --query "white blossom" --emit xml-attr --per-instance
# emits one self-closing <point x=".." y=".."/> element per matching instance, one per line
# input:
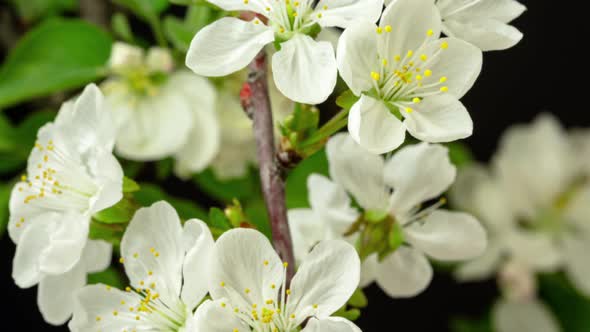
<point x="304" y="69"/>
<point x="249" y="293"/>
<point x="396" y="187"/>
<point x="407" y="78"/>
<point x="167" y="265"/>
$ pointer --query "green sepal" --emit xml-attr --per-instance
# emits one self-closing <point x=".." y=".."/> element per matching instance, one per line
<point x="119" y="213"/>
<point x="130" y="186"/>
<point x="395" y="237"/>
<point x="122" y="28"/>
<point x="358" y="299"/>
<point x="347" y="99"/>
<point x="375" y="216"/>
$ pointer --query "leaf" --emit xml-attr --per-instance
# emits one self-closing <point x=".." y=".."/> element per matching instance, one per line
<point x="471" y="325"/>
<point x="130" y="186"/>
<point x="31" y="10"/>
<point x="146" y="9"/>
<point x="258" y="216"/>
<point x="5" y="190"/>
<point x="181" y="33"/>
<point x="178" y="33"/>
<point x="110" y="276"/>
<point x="460" y="154"/>
<point x="57" y="55"/>
<point x="121" y="27"/>
<point x="296" y="186"/>
<point x="358" y="299"/>
<point x="225" y="191"/>
<point x="150" y="193"/>
<point x="347" y="99"/>
<point x="122" y="212"/>
<point x="217" y="219"/>
<point x="571" y="308"/>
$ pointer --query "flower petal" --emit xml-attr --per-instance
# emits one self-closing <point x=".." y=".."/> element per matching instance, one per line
<point x="373" y="127"/>
<point x="501" y="10"/>
<point x="331" y="324"/>
<point x="66" y="243"/>
<point x="305" y="70"/>
<point x="523" y="316"/>
<point x="369" y="271"/>
<point x="332" y="203"/>
<point x="307" y="229"/>
<point x="226" y="46"/>
<point x="25" y="266"/>
<point x="257" y="6"/>
<point x="448" y="236"/>
<point x="358" y="171"/>
<point x="483" y="267"/>
<point x="56" y="294"/>
<point x="410" y="21"/>
<point x="247" y="266"/>
<point x="153" y="251"/>
<point x="108" y="175"/>
<point x="418" y="173"/>
<point x="97" y="256"/>
<point x="440" y="118"/>
<point x="213" y="316"/>
<point x="325" y="281"/>
<point x="357" y="56"/>
<point x="526" y="246"/>
<point x="404" y="273"/>
<point x="199" y="247"/>
<point x="576" y="263"/>
<point x="487" y="34"/>
<point x="344" y="12"/>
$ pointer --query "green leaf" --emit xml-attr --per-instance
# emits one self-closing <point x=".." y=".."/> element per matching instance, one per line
<point x="57" y="55"/>
<point x="119" y="213"/>
<point x="5" y="190"/>
<point x="111" y="233"/>
<point x="358" y="299"/>
<point x="217" y="219"/>
<point x="347" y="99"/>
<point x="110" y="276"/>
<point x="460" y="154"/>
<point x="146" y="9"/>
<point x="258" y="216"/>
<point x="571" y="308"/>
<point x="121" y="27"/>
<point x="177" y="33"/>
<point x="296" y="186"/>
<point x="130" y="186"/>
<point x="31" y="10"/>
<point x="243" y="189"/>
<point x="150" y="193"/>
<point x="471" y="325"/>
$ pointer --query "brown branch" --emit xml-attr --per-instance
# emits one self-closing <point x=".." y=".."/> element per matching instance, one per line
<point x="256" y="103"/>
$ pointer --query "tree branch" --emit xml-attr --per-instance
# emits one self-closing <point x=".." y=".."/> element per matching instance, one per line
<point x="256" y="103"/>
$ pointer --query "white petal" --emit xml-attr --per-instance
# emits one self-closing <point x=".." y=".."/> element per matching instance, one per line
<point x="448" y="236"/>
<point x="25" y="266"/>
<point x="244" y="259"/>
<point x="358" y="171"/>
<point x="332" y="204"/>
<point x="257" y="6"/>
<point x="305" y="70"/>
<point x="96" y="306"/>
<point x="576" y="262"/>
<point x="369" y="271"/>
<point x="204" y="139"/>
<point x="226" y="46"/>
<point x="66" y="243"/>
<point x="440" y="118"/>
<point x="357" y="56"/>
<point x="153" y="243"/>
<point x="344" y="12"/>
<point x="159" y="127"/>
<point x="418" y="173"/>
<point x="198" y="246"/>
<point x="21" y="211"/>
<point x="332" y="324"/>
<point x="307" y="229"/>
<point x="96" y="256"/>
<point x="108" y="175"/>
<point x="524" y="316"/>
<point x="460" y="64"/>
<point x="371" y="124"/>
<point x="501" y="10"/>
<point x="327" y="278"/>
<point x="578" y="209"/>
<point x="526" y="246"/>
<point x="410" y="21"/>
<point x="55" y="296"/>
<point x="483" y="267"/>
<point x="211" y="316"/>
<point x="487" y="34"/>
<point x="404" y="273"/>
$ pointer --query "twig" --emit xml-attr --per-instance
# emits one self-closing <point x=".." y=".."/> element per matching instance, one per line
<point x="256" y="103"/>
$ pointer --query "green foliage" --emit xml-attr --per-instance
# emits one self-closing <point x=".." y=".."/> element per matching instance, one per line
<point x="16" y="142"/>
<point x="32" y="10"/>
<point x="225" y="191"/>
<point x="346" y="100"/>
<point x="146" y="9"/>
<point x="5" y="190"/>
<point x="57" y="55"/>
<point x="258" y="216"/>
<point x="358" y="299"/>
<point x="471" y="325"/>
<point x="460" y="154"/>
<point x="571" y="308"/>
<point x="121" y="28"/>
<point x="218" y="222"/>
<point x="150" y="193"/>
<point x="130" y="186"/>
<point x="110" y="276"/>
<point x="296" y="186"/>
<point x="120" y="213"/>
<point x="181" y="32"/>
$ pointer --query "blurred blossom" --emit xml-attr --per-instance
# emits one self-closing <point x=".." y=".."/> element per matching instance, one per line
<point x="160" y="112"/>
<point x="71" y="175"/>
<point x="395" y="189"/>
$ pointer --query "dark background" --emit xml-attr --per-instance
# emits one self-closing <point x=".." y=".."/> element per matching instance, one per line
<point x="547" y="71"/>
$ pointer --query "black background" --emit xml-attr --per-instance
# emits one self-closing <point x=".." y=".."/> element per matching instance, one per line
<point x="547" y="71"/>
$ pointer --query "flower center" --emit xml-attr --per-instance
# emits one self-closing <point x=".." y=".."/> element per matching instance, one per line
<point x="408" y="78"/>
<point x="288" y="17"/>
